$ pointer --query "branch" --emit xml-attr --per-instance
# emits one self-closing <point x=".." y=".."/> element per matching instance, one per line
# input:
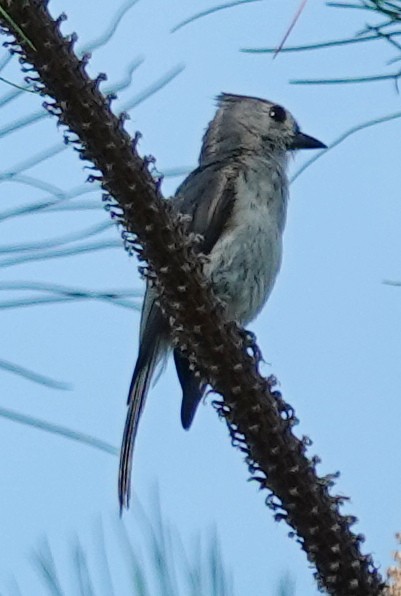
<point x="205" y="13"/>
<point x="153" y="88"/>
<point x="259" y="420"/>
<point x="369" y="79"/>
<point x="30" y="375"/>
<point x="48" y="204"/>
<point x="316" y="46"/>
<point x="105" y="37"/>
<point x="58" y="293"/>
<point x="290" y="28"/>
<point x="42" y="255"/>
<point x="56" y="429"/>
<point x="55" y="242"/>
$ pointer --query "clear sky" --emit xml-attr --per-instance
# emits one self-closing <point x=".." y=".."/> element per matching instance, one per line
<point x="331" y="331"/>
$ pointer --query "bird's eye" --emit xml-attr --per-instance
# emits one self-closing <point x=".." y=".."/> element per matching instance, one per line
<point x="277" y="113"/>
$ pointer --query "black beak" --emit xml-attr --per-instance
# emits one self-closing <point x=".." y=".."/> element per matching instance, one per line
<point x="302" y="141"/>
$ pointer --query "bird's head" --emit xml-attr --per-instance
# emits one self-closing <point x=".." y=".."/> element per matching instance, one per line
<point x="253" y="124"/>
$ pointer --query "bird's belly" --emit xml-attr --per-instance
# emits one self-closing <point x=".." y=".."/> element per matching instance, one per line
<point x="243" y="267"/>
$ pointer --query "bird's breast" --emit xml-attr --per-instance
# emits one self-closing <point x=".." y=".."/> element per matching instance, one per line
<point x="246" y="259"/>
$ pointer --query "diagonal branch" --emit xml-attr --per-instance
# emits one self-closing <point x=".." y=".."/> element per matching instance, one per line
<point x="259" y="420"/>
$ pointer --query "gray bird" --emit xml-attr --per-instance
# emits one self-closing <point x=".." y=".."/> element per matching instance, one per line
<point x="237" y="200"/>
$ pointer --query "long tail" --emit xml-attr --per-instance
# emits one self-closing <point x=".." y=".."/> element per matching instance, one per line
<point x="137" y="396"/>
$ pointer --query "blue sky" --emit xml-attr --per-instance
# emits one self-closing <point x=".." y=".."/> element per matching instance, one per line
<point x="331" y="331"/>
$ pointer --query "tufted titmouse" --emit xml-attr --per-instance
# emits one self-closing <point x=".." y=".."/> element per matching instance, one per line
<point x="237" y="201"/>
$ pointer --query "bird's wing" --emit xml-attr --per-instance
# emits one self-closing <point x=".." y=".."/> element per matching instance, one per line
<point x="207" y="195"/>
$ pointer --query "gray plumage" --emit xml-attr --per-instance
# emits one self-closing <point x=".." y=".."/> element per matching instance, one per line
<point x="237" y="199"/>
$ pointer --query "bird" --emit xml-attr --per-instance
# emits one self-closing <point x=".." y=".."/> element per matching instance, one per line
<point x="236" y="200"/>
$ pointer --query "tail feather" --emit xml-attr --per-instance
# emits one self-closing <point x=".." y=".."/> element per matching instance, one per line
<point x="153" y="345"/>
<point x="136" y="400"/>
<point x="190" y="401"/>
<point x="192" y="389"/>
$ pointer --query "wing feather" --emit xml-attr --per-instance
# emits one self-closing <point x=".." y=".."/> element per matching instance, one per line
<point x="208" y="196"/>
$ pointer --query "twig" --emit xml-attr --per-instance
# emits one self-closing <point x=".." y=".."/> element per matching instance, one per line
<point x="104" y="37"/>
<point x="317" y="46"/>
<point x="40" y="255"/>
<point x="57" y="429"/>
<point x="30" y="375"/>
<point x="205" y="13"/>
<point x="290" y="28"/>
<point x="153" y="88"/>
<point x="346" y="80"/>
